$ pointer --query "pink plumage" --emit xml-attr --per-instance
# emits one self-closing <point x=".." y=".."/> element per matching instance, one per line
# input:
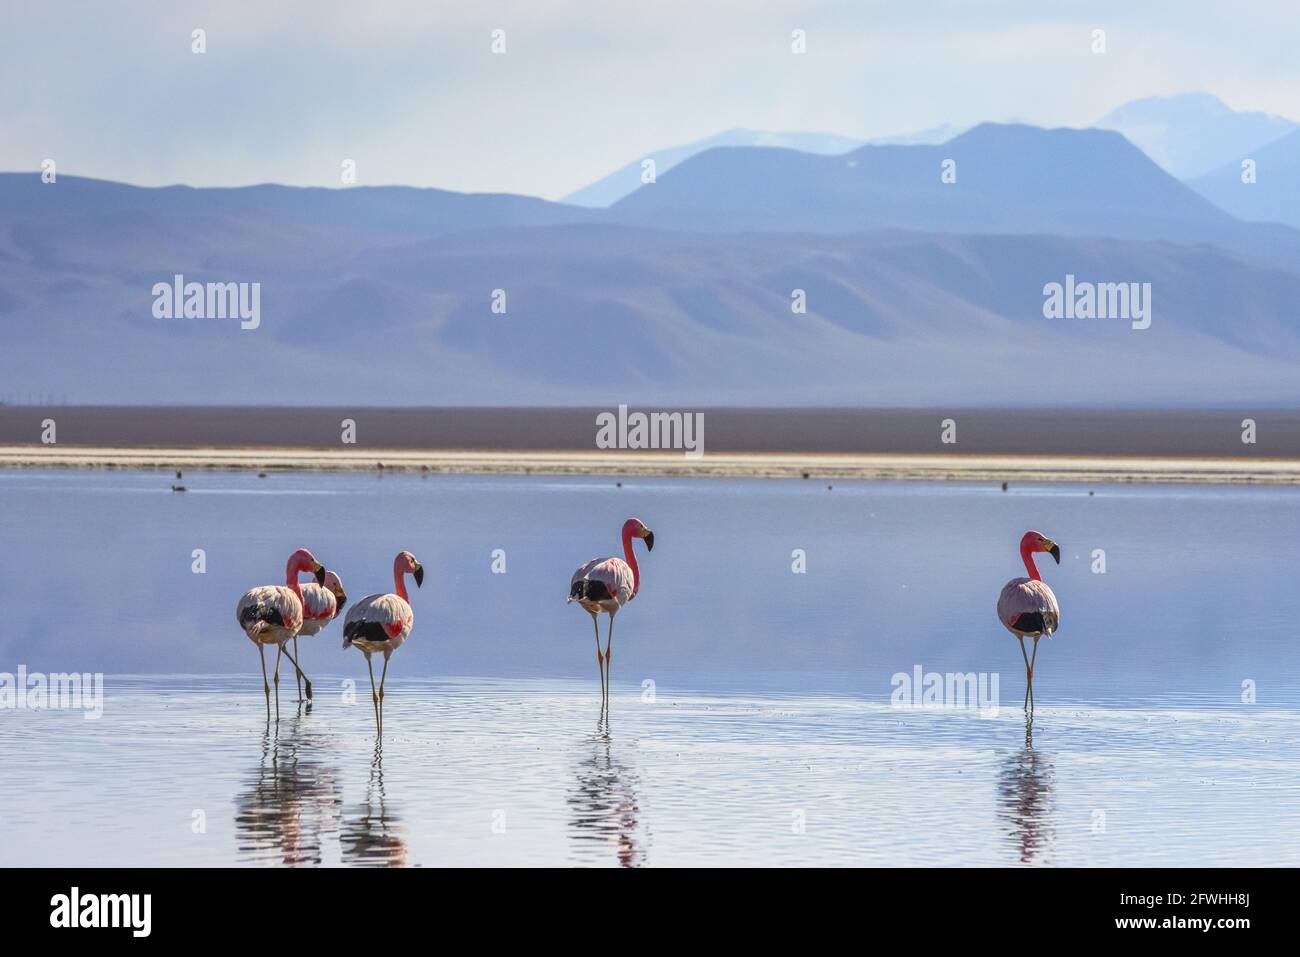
<point x="273" y="614"/>
<point x="382" y="623"/>
<point x="606" y="585"/>
<point x="1027" y="608"/>
<point x="321" y="604"/>
<point x="616" y="577"/>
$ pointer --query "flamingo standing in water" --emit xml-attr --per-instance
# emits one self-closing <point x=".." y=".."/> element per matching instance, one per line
<point x="382" y="623"/>
<point x="272" y="614"/>
<point x="607" y="584"/>
<point x="321" y="604"/>
<point x="1027" y="606"/>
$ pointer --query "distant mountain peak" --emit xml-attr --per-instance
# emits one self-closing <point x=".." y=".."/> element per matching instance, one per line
<point x="1190" y="134"/>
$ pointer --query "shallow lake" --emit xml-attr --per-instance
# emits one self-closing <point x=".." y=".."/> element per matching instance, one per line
<point x="755" y="716"/>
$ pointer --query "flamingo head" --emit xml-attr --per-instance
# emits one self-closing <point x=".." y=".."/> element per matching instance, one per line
<point x="304" y="561"/>
<point x="406" y="563"/>
<point x="635" y="528"/>
<point x="335" y="587"/>
<point x="1038" y="542"/>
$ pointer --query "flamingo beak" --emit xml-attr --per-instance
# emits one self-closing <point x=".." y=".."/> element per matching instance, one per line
<point x="1053" y="549"/>
<point x="340" y="599"/>
<point x="319" y="571"/>
<point x="419" y="574"/>
<point x="649" y="537"/>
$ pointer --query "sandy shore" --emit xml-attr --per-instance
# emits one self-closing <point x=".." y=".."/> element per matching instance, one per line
<point x="1094" y="445"/>
<point x="713" y="465"/>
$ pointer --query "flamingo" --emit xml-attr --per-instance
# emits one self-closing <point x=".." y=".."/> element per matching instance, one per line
<point x="272" y="614"/>
<point x="1027" y="606"/>
<point x="321" y="604"/>
<point x="607" y="584"/>
<point x="383" y="623"/>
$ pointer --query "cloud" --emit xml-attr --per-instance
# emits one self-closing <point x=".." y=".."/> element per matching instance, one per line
<point x="411" y="91"/>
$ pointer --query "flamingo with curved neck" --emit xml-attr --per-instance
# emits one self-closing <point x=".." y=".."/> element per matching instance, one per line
<point x="1027" y="607"/>
<point x="382" y="623"/>
<point x="273" y="614"/>
<point x="606" y="585"/>
<point x="631" y="530"/>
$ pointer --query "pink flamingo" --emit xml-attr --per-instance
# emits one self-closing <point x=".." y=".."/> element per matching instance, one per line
<point x="607" y="584"/>
<point x="321" y="604"/>
<point x="381" y="623"/>
<point x="272" y="614"/>
<point x="1027" y="606"/>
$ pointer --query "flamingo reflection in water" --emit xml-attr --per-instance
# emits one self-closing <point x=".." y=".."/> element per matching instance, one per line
<point x="290" y="808"/>
<point x="372" y="834"/>
<point x="605" y="807"/>
<point x="1025" y="787"/>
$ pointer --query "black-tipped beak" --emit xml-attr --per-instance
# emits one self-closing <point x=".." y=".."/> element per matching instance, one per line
<point x="320" y="574"/>
<point x="1055" y="552"/>
<point x="340" y="600"/>
<point x="419" y="575"/>
<point x="649" y="540"/>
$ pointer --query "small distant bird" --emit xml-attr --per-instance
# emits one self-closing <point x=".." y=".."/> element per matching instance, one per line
<point x="321" y="604"/>
<point x="272" y="614"/>
<point x="381" y="623"/>
<point x="606" y="585"/>
<point x="1027" y="606"/>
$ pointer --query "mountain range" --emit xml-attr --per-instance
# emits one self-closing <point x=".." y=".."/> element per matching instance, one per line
<point x="915" y="291"/>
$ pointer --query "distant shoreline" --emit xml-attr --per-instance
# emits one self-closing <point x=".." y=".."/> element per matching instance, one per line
<point x="812" y="466"/>
<point x="991" y="444"/>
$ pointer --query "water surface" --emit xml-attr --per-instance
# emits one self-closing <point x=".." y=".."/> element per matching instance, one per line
<point x="751" y="720"/>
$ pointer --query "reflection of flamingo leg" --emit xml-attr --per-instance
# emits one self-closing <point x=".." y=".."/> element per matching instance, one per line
<point x="381" y="694"/>
<point x="261" y="650"/>
<point x="374" y="697"/>
<point x="609" y="640"/>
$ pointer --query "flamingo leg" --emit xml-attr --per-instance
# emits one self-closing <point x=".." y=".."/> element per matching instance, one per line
<point x="1031" y="669"/>
<point x="600" y="660"/>
<point x="261" y="651"/>
<point x="1029" y="672"/>
<point x="278" y="651"/>
<point x="299" y="671"/>
<point x="609" y="640"/>
<point x="382" y="677"/>
<point x="374" y="697"/>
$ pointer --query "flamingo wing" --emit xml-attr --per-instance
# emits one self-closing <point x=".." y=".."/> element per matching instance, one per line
<point x="267" y="607"/>
<point x="378" y="618"/>
<point x="602" y="579"/>
<point x="1028" y="607"/>
<point x="318" y="609"/>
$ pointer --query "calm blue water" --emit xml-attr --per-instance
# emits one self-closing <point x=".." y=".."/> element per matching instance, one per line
<point x="751" y="720"/>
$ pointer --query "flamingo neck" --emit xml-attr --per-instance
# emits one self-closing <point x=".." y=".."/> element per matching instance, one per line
<point x="291" y="579"/>
<point x="1028" y="559"/>
<point x="399" y="582"/>
<point x="630" y="557"/>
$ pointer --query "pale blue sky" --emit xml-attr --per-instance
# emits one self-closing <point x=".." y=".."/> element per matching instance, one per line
<point x="411" y="91"/>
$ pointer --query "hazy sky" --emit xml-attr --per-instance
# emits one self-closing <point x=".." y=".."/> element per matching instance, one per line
<point x="412" y="92"/>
